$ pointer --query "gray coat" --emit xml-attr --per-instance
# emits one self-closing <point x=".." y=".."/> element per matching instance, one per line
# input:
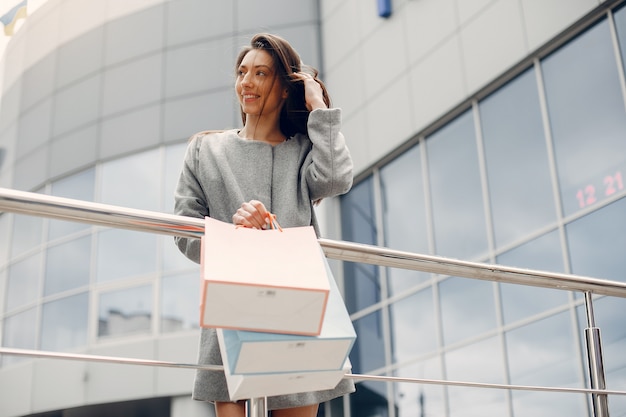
<point x="223" y="170"/>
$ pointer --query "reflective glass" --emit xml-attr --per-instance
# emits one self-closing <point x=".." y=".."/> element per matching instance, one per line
<point x="404" y="214"/>
<point x="482" y="361"/>
<point x="20" y="332"/>
<point x="368" y="352"/>
<point x="544" y="353"/>
<point x="172" y="258"/>
<point x="125" y="311"/>
<point x="78" y="187"/>
<point x="520" y="301"/>
<point x="413" y="326"/>
<point x="174" y="156"/>
<point x="26" y="233"/>
<point x="370" y="399"/>
<point x="457" y="199"/>
<point x="516" y="157"/>
<point x="362" y="286"/>
<point x="179" y="302"/>
<point x="64" y="323"/>
<point x="597" y="241"/>
<point x="586" y="111"/>
<point x="133" y="181"/>
<point x="68" y="265"/>
<point x="620" y="27"/>
<point x="4" y="238"/>
<point x="467" y="308"/>
<point x="420" y="399"/>
<point x="23" y="282"/>
<point x="123" y="253"/>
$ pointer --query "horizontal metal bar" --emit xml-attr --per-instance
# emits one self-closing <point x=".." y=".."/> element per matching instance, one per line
<point x="148" y="221"/>
<point x="355" y="377"/>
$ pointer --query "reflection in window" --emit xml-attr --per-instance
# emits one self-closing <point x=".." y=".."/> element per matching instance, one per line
<point x="368" y="352"/>
<point x="609" y="313"/>
<point x="620" y="26"/>
<point x="23" y="282"/>
<point x="362" y="286"/>
<point x="26" y="233"/>
<point x="413" y="326"/>
<point x="544" y="353"/>
<point x="123" y="253"/>
<point x="179" y="303"/>
<point x="64" y="323"/>
<point x="457" y="200"/>
<point x="78" y="187"/>
<point x="67" y="265"/>
<point x="586" y="111"/>
<point x="174" y="156"/>
<point x="517" y="162"/>
<point x="4" y="238"/>
<point x="478" y="362"/>
<point x="420" y="399"/>
<point x="520" y="301"/>
<point x="19" y="333"/>
<point x="597" y="241"/>
<point x="133" y="181"/>
<point x="467" y="308"/>
<point x="125" y="311"/>
<point x="404" y="215"/>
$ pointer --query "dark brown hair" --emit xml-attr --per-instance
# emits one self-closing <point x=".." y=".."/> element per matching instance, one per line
<point x="294" y="114"/>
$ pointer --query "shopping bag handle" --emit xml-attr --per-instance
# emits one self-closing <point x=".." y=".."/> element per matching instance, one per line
<point x="271" y="221"/>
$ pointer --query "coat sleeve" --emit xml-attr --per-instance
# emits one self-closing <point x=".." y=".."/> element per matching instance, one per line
<point x="190" y="199"/>
<point x="329" y="166"/>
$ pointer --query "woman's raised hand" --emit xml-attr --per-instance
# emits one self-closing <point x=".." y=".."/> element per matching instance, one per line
<point x="313" y="94"/>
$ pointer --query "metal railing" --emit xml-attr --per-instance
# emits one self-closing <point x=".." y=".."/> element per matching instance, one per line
<point x="148" y="221"/>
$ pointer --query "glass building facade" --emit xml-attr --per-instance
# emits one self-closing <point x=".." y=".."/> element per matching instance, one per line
<point x="529" y="175"/>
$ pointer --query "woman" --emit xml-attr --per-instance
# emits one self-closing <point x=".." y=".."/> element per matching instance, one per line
<point x="288" y="155"/>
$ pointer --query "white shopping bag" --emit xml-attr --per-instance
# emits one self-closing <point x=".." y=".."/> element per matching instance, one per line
<point x="246" y="352"/>
<point x="242" y="387"/>
<point x="262" y="280"/>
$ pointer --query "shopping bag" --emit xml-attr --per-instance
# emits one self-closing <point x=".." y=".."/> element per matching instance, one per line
<point x="262" y="280"/>
<point x="246" y="352"/>
<point x="241" y="387"/>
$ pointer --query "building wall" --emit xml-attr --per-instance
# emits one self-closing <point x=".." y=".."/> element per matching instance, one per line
<point x="99" y="96"/>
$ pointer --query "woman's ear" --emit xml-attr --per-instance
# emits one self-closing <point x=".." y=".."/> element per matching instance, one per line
<point x="285" y="93"/>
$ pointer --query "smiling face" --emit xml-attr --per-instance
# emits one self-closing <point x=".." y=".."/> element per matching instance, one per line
<point x="258" y="87"/>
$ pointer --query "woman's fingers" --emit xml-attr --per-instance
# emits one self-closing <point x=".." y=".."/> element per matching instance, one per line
<point x="251" y="214"/>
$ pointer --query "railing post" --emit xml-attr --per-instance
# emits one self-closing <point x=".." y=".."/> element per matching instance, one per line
<point x="256" y="407"/>
<point x="594" y="356"/>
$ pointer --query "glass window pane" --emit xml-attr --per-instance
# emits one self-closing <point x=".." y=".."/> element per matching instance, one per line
<point x="179" y="302"/>
<point x="457" y="198"/>
<point x="609" y="314"/>
<point x="520" y="301"/>
<point x="20" y="332"/>
<point x="26" y="233"/>
<point x="479" y="362"/>
<point x="125" y="311"/>
<point x="516" y="156"/>
<point x="362" y="286"/>
<point x="467" y="308"/>
<point x="544" y="353"/>
<point x="123" y="253"/>
<point x="368" y="352"/>
<point x="172" y="258"/>
<point x="174" y="156"/>
<point x="124" y="177"/>
<point x="64" y="323"/>
<point x="78" y="187"/>
<point x="4" y="238"/>
<point x="67" y="265"/>
<point x="23" y="282"/>
<point x="413" y="327"/>
<point x="620" y="27"/>
<point x="404" y="215"/>
<point x="420" y="399"/>
<point x="597" y="241"/>
<point x="586" y="111"/>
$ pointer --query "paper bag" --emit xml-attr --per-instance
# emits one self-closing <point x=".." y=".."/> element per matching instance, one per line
<point x="262" y="280"/>
<point x="245" y="352"/>
<point x="242" y="387"/>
